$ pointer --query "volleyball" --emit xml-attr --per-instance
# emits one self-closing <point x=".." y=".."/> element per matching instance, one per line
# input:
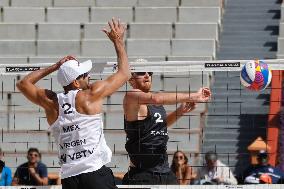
<point x="255" y="75"/>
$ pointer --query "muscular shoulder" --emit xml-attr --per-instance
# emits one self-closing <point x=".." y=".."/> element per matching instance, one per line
<point x="97" y="87"/>
<point x="133" y="94"/>
<point x="47" y="97"/>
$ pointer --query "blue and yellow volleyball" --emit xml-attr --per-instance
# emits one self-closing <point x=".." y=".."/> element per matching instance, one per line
<point x="255" y="75"/>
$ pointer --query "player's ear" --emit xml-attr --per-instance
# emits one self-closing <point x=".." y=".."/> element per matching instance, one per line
<point x="76" y="83"/>
<point x="131" y="81"/>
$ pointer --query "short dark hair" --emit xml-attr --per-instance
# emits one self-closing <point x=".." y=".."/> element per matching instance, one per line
<point x="211" y="155"/>
<point x="33" y="150"/>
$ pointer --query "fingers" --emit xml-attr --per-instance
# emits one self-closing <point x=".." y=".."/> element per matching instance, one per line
<point x="115" y="23"/>
<point x="119" y="24"/>
<point x="105" y="31"/>
<point x="206" y="92"/>
<point x="110" y="23"/>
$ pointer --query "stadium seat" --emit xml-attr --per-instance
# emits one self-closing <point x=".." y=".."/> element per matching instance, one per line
<point x="104" y="14"/>
<point x="68" y="14"/>
<point x="25" y="136"/>
<point x="148" y="47"/>
<point x="50" y="160"/>
<point x="74" y="3"/>
<point x="4" y="3"/>
<point x="17" y="47"/>
<point x="58" y="47"/>
<point x="21" y="104"/>
<point x="23" y="14"/>
<point x="201" y="3"/>
<point x="19" y="121"/>
<point x="196" y="30"/>
<point x="94" y="31"/>
<point x="9" y="84"/>
<point x="31" y="3"/>
<point x="200" y="14"/>
<point x="119" y="163"/>
<point x="116" y="3"/>
<point x="188" y="58"/>
<point x="115" y="140"/>
<point x="59" y="31"/>
<point x="156" y="14"/>
<point x="182" y="139"/>
<point x="13" y="60"/>
<point x="114" y="120"/>
<point x="193" y="47"/>
<point x="150" y="31"/>
<point x="97" y="47"/>
<point x="158" y="3"/>
<point x="14" y="160"/>
<point x="187" y="121"/>
<point x="24" y="31"/>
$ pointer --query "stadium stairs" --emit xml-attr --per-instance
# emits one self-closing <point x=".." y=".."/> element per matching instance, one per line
<point x="236" y="116"/>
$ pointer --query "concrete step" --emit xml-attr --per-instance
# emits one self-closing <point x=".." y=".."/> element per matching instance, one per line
<point x="235" y="128"/>
<point x="248" y="33"/>
<point x="254" y="43"/>
<point x="250" y="21"/>
<point x="246" y="5"/>
<point x="259" y="15"/>
<point x="228" y="143"/>
<point x="245" y="56"/>
<point x="245" y="49"/>
<point x="269" y="29"/>
<point x="248" y="37"/>
<point x="223" y="149"/>
<point x="229" y="137"/>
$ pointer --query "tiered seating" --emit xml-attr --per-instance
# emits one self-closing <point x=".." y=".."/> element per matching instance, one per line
<point x="73" y="27"/>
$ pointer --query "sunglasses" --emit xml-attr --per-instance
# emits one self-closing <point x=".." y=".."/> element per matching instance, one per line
<point x="35" y="155"/>
<point x="84" y="75"/>
<point x="179" y="157"/>
<point x="143" y="73"/>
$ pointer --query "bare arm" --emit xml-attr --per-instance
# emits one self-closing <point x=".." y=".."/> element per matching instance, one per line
<point x="39" y="180"/>
<point x="115" y="81"/>
<point x="15" y="181"/>
<point x="139" y="97"/>
<point x="180" y="111"/>
<point x="186" y="178"/>
<point x="27" y="85"/>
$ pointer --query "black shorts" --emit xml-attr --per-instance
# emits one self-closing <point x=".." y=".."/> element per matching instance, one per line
<point x="137" y="177"/>
<point x="99" y="179"/>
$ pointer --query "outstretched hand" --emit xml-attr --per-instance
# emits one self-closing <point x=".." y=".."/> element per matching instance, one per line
<point x="204" y="94"/>
<point x="117" y="30"/>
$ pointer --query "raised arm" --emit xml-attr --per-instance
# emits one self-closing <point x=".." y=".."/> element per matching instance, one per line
<point x="139" y="97"/>
<point x="115" y="81"/>
<point x="35" y="94"/>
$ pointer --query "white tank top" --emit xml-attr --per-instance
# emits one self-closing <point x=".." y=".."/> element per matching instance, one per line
<point x="80" y="139"/>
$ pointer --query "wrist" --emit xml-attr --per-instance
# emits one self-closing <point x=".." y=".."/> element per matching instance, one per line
<point x="193" y="97"/>
<point x="118" y="43"/>
<point x="179" y="112"/>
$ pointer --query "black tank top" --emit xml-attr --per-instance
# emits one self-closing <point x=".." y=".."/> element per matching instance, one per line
<point x="147" y="140"/>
